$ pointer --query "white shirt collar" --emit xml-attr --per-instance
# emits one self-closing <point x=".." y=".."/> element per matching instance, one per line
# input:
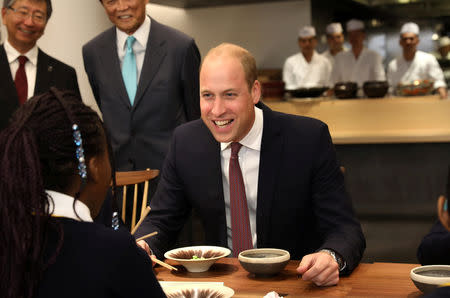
<point x="253" y="139"/>
<point x="62" y="206"/>
<point x="141" y="34"/>
<point x="13" y="54"/>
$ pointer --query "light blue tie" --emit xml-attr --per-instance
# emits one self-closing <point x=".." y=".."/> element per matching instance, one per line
<point x="129" y="70"/>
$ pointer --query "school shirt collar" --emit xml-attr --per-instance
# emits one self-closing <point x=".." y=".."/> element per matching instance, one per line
<point x="141" y="34"/>
<point x="61" y="205"/>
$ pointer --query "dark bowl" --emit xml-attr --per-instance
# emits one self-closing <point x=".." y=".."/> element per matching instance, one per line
<point x="307" y="92"/>
<point x="264" y="261"/>
<point x="428" y="278"/>
<point x="375" y="88"/>
<point x="344" y="90"/>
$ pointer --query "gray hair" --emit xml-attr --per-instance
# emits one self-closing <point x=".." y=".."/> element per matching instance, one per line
<point x="9" y="3"/>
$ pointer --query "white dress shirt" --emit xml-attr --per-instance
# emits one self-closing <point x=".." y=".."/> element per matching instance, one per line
<point x="61" y="205"/>
<point x="299" y="73"/>
<point x="30" y="65"/>
<point x="424" y="66"/>
<point x="249" y="162"/>
<point x="139" y="46"/>
<point x="368" y="67"/>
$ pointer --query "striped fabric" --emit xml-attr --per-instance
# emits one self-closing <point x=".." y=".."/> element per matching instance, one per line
<point x="240" y="225"/>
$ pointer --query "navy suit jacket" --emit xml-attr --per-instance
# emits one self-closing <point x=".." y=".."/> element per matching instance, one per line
<point x="50" y="73"/>
<point x="167" y="94"/>
<point x="302" y="205"/>
<point x="435" y="246"/>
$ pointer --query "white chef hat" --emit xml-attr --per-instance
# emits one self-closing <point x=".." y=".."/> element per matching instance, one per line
<point x="355" y="24"/>
<point x="306" y="31"/>
<point x="410" y="27"/>
<point x="444" y="41"/>
<point x="334" y="28"/>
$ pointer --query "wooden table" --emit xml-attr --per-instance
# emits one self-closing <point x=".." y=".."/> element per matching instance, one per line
<point x="377" y="279"/>
<point x="369" y="121"/>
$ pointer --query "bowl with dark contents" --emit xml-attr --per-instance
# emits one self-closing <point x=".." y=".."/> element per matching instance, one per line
<point x="197" y="258"/>
<point x="264" y="261"/>
<point x="427" y="278"/>
<point x="198" y="291"/>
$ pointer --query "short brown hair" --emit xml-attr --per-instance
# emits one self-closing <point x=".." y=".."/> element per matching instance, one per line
<point x="247" y="60"/>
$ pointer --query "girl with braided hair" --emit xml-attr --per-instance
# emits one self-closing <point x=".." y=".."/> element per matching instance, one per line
<point x="54" y="174"/>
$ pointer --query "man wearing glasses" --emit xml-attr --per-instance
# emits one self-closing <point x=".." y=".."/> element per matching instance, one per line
<point x="25" y="70"/>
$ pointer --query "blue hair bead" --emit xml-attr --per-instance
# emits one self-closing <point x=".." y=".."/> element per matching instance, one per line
<point x="79" y="152"/>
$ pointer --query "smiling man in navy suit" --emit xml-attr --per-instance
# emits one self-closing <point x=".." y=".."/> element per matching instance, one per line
<point x="25" y="22"/>
<point x="291" y="188"/>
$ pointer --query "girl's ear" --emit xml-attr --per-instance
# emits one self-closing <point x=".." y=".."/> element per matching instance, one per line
<point x="442" y="209"/>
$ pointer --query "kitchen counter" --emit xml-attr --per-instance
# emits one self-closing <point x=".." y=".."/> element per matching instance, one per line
<point x="423" y="119"/>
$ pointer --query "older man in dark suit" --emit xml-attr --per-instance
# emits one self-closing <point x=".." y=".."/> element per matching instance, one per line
<point x="257" y="178"/>
<point x="142" y="103"/>
<point x="24" y="68"/>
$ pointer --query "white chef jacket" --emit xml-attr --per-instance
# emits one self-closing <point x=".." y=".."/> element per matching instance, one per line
<point x="424" y="66"/>
<point x="327" y="54"/>
<point x="368" y="67"/>
<point x="298" y="73"/>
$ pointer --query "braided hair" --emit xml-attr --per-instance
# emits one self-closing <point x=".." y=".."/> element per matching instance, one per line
<point x="37" y="152"/>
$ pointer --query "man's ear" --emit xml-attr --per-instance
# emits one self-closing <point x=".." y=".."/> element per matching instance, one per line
<point x="443" y="214"/>
<point x="256" y="92"/>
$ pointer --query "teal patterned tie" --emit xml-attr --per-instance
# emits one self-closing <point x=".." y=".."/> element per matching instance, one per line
<point x="129" y="70"/>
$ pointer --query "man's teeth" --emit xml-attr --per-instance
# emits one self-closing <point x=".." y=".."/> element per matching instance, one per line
<point x="222" y="122"/>
<point x="124" y="17"/>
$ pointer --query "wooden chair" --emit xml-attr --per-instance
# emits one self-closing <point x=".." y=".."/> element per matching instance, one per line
<point x="126" y="179"/>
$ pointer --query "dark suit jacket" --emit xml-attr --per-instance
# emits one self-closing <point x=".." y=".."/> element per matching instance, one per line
<point x="167" y="94"/>
<point x="302" y="205"/>
<point x="435" y="246"/>
<point x="95" y="261"/>
<point x="50" y="72"/>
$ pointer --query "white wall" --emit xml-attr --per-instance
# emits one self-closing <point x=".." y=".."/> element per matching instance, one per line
<point x="268" y="30"/>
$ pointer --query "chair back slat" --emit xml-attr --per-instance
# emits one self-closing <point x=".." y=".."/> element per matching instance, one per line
<point x="135" y="178"/>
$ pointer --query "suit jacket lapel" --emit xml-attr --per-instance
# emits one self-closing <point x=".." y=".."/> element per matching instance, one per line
<point x="154" y="55"/>
<point x="270" y="157"/>
<point x="43" y="74"/>
<point x="111" y="64"/>
<point x="7" y="87"/>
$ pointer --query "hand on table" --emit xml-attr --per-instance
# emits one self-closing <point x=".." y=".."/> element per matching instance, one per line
<point x="442" y="91"/>
<point x="320" y="268"/>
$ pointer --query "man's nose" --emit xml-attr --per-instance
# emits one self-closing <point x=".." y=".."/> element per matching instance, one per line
<point x="218" y="107"/>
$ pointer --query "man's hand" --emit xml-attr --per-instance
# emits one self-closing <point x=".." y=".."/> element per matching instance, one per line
<point x="442" y="92"/>
<point x="320" y="268"/>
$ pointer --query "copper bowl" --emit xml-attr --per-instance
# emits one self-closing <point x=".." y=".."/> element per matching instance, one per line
<point x="415" y="88"/>
<point x="343" y="90"/>
<point x="375" y="88"/>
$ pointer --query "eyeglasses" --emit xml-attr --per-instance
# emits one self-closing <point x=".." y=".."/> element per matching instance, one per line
<point x="23" y="13"/>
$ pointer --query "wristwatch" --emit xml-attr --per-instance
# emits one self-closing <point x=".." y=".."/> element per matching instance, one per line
<point x="341" y="263"/>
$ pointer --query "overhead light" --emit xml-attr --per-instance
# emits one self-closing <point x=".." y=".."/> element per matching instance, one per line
<point x="435" y="36"/>
<point x="403" y="1"/>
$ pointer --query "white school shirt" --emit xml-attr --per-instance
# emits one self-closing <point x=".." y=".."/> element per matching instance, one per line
<point x="249" y="156"/>
<point x="61" y="205"/>
<point x="299" y="73"/>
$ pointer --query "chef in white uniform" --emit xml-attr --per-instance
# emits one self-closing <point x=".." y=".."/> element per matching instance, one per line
<point x="335" y="40"/>
<point x="360" y="64"/>
<point x="413" y="64"/>
<point x="443" y="50"/>
<point x="307" y="68"/>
